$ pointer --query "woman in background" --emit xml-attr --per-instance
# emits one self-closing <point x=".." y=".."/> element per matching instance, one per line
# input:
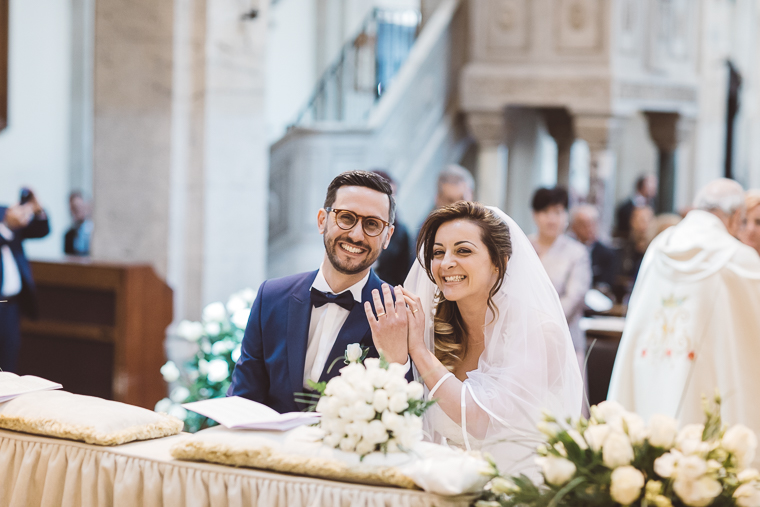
<point x="750" y="234"/>
<point x="566" y="261"/>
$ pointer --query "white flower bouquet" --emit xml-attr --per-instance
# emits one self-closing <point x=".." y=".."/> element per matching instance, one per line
<point x="371" y="406"/>
<point x="615" y="459"/>
<point x="206" y="375"/>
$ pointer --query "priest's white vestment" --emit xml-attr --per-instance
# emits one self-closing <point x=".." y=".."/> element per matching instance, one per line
<point x="693" y="325"/>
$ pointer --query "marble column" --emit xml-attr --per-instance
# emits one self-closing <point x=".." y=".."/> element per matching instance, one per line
<point x="132" y="113"/>
<point x="491" y="173"/>
<point x="600" y="132"/>
<point x="559" y="123"/>
<point x="664" y="131"/>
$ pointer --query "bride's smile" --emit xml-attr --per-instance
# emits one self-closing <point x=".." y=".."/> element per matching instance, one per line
<point x="461" y="262"/>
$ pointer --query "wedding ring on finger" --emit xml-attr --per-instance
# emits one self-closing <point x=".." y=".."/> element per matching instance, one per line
<point x="415" y="311"/>
<point x="380" y="315"/>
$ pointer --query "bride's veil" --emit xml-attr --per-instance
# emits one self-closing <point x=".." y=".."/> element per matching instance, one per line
<point x="529" y="363"/>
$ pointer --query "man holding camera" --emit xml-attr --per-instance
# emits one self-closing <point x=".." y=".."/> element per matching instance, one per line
<point x="21" y="221"/>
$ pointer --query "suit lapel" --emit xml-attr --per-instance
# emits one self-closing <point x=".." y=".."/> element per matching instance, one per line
<point x="299" y="317"/>
<point x="354" y="330"/>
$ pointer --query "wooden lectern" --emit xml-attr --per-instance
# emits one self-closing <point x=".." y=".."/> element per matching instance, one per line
<point x="100" y="330"/>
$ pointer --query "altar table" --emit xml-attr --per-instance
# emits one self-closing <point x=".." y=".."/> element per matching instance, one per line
<point x="42" y="471"/>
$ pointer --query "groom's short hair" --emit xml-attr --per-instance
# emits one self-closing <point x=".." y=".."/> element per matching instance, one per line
<point x="362" y="179"/>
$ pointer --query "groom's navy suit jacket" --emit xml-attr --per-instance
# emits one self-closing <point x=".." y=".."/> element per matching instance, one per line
<point x="271" y="365"/>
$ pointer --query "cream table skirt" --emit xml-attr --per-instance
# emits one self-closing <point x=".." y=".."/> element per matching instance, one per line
<point x="41" y="471"/>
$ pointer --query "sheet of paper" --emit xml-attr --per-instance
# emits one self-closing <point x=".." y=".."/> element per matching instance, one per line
<point x="11" y="385"/>
<point x="240" y="413"/>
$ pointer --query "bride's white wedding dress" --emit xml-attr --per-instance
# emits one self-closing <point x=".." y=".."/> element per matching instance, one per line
<point x="528" y="365"/>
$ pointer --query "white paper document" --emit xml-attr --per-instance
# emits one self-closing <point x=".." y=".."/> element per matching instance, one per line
<point x="11" y="385"/>
<point x="235" y="412"/>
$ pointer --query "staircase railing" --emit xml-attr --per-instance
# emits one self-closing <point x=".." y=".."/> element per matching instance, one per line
<point x="364" y="69"/>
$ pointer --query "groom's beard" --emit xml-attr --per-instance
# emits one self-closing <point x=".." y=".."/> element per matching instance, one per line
<point x="349" y="266"/>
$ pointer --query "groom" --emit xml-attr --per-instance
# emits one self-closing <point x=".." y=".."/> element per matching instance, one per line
<point x="300" y="324"/>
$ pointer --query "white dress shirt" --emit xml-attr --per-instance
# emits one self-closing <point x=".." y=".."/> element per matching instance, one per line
<point x="11" y="276"/>
<point x="326" y="322"/>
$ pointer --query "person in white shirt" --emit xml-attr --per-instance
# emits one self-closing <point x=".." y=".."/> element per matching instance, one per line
<point x="693" y="318"/>
<point x="17" y="292"/>
<point x="300" y="325"/>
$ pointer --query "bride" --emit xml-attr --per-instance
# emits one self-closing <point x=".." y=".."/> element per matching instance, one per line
<point x="486" y="334"/>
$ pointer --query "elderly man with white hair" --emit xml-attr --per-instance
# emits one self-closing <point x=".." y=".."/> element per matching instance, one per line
<point x="693" y="322"/>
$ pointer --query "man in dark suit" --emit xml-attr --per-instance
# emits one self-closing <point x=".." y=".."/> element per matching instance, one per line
<point x="17" y="223"/>
<point x="584" y="225"/>
<point x="301" y="324"/>
<point x="646" y="190"/>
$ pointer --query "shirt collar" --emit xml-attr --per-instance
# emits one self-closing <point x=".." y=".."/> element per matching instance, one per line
<point x="6" y="232"/>
<point x="356" y="289"/>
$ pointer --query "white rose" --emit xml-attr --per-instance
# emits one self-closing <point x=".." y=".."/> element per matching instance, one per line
<point x="215" y="312"/>
<point x="364" y="390"/>
<point x="179" y="394"/>
<point x="356" y="428"/>
<point x="170" y="372"/>
<point x="747" y="495"/>
<point x="240" y="318"/>
<point x="578" y="438"/>
<point x="397" y="370"/>
<point x="634" y="427"/>
<point x="178" y="412"/>
<point x="353" y="373"/>
<point x="372" y="363"/>
<point x="364" y="447"/>
<point x="212" y="329"/>
<point x="348" y="444"/>
<point x="557" y="471"/>
<point x="617" y="450"/>
<point x="163" y="405"/>
<point x="741" y="442"/>
<point x="392" y="445"/>
<point x="377" y="376"/>
<point x="375" y="432"/>
<point x="392" y="421"/>
<point x="353" y="352"/>
<point x="380" y="400"/>
<point x="607" y="411"/>
<point x="363" y="412"/>
<point x="748" y="475"/>
<point x="596" y="435"/>
<point x="699" y="493"/>
<point x="203" y="367"/>
<point x="560" y="448"/>
<point x="335" y="386"/>
<point x="689" y="438"/>
<point x="235" y="303"/>
<point x="662" y="431"/>
<point x="236" y="354"/>
<point x="665" y="465"/>
<point x="625" y="485"/>
<point x="190" y="331"/>
<point x="549" y="429"/>
<point x="502" y="486"/>
<point x="248" y="295"/>
<point x="395" y="385"/>
<point x="218" y="370"/>
<point x="332" y="440"/>
<point x="219" y="348"/>
<point x="691" y="468"/>
<point x="398" y="402"/>
<point x="415" y="391"/>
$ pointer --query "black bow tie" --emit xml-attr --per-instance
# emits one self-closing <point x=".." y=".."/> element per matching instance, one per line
<point x="344" y="299"/>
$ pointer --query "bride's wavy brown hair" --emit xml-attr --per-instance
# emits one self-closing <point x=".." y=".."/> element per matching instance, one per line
<point x="450" y="331"/>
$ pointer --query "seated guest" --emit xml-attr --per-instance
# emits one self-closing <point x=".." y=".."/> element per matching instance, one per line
<point x="634" y="246"/>
<point x="566" y="261"/>
<point x="301" y="324"/>
<point x="77" y="238"/>
<point x="646" y="190"/>
<point x="693" y="319"/>
<point x="455" y="183"/>
<point x="750" y="234"/>
<point x="394" y="262"/>
<point x="584" y="224"/>
<point x="17" y="223"/>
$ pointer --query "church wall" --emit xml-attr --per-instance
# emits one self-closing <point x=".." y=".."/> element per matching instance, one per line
<point x="636" y="155"/>
<point x="34" y="148"/>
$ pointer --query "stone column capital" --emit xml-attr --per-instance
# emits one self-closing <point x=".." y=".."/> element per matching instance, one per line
<point x="663" y="129"/>
<point x="599" y="131"/>
<point x="488" y="128"/>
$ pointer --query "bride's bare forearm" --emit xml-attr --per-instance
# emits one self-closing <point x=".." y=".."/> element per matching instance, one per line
<point x="449" y="393"/>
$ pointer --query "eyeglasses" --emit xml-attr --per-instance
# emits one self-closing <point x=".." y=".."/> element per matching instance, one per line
<point x="346" y="220"/>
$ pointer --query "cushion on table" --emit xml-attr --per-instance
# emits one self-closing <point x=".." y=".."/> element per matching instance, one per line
<point x="84" y="418"/>
<point x="431" y="467"/>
